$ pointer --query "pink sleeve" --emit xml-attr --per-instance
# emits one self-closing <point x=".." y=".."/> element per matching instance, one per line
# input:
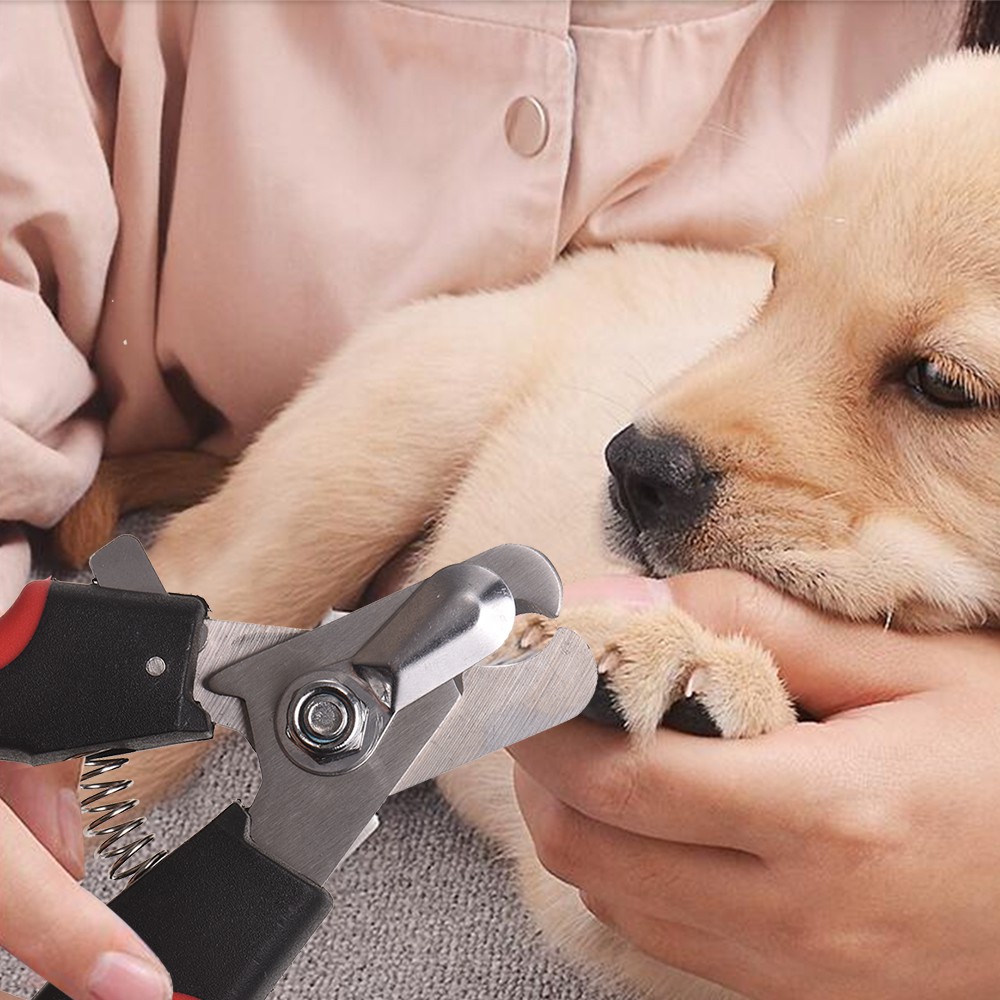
<point x="57" y="231"/>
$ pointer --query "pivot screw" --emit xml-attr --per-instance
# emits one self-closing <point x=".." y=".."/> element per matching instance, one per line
<point x="326" y="720"/>
<point x="325" y="715"/>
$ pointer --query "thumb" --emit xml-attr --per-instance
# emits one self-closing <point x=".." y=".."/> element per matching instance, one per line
<point x="62" y="932"/>
<point x="626" y="591"/>
<point x="829" y="665"/>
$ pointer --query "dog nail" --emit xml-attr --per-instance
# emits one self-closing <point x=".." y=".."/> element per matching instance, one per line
<point x="695" y="682"/>
<point x="606" y="660"/>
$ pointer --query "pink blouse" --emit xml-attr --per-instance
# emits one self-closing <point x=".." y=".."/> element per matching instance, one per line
<point x="200" y="201"/>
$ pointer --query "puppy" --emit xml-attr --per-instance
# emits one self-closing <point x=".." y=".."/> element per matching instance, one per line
<point x="844" y="447"/>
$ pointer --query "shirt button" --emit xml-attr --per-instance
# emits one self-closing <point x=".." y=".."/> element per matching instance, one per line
<point x="526" y="126"/>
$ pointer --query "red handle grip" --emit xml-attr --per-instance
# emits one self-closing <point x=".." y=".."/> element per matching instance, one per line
<point x="18" y="625"/>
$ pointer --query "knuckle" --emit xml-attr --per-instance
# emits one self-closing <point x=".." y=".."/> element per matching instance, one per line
<point x="555" y="846"/>
<point x="610" y="792"/>
<point x="750" y="601"/>
<point x="849" y="949"/>
<point x="840" y="936"/>
<point x="598" y="908"/>
<point x="864" y="827"/>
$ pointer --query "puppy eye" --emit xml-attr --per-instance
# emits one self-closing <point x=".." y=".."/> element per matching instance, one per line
<point x="928" y="379"/>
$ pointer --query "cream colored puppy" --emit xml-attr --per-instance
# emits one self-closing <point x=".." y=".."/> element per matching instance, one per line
<point x="845" y="447"/>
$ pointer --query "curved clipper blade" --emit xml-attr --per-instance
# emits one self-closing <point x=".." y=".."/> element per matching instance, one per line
<point x="529" y="575"/>
<point x="504" y="703"/>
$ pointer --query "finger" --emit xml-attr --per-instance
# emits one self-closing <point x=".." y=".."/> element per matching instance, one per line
<point x="65" y="934"/>
<point x="673" y="787"/>
<point x="720" y="793"/>
<point x="830" y="665"/>
<point x="634" y="593"/>
<point x="714" y="889"/>
<point x="708" y="956"/>
<point x="45" y="799"/>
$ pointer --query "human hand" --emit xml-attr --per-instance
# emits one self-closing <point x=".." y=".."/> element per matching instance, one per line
<point x="47" y="919"/>
<point x="855" y="858"/>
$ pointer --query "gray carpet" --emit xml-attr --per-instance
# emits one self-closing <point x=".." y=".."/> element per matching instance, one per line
<point x="425" y="909"/>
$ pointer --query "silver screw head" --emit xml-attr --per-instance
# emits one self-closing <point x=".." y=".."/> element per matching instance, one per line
<point x="324" y="715"/>
<point x="155" y="666"/>
<point x="326" y="720"/>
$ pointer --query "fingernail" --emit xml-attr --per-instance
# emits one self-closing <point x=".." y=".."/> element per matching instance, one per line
<point x="70" y="832"/>
<point x="631" y="593"/>
<point x="657" y="591"/>
<point x="118" y="976"/>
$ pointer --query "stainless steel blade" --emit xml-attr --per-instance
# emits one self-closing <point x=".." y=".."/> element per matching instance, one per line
<point x="228" y="642"/>
<point x="503" y="703"/>
<point x="529" y="575"/>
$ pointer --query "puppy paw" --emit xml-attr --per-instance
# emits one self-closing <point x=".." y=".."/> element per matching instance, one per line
<point x="669" y="668"/>
<point x="661" y="667"/>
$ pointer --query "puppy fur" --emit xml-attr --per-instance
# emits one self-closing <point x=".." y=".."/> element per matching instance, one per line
<point x="466" y="422"/>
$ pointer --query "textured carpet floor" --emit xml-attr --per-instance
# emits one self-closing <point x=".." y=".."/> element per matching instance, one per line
<point x="424" y="910"/>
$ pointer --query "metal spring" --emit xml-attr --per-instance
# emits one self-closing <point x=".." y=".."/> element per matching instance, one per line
<point x="100" y="764"/>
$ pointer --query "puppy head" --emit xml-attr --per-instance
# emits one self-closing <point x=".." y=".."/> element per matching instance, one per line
<point x="846" y="446"/>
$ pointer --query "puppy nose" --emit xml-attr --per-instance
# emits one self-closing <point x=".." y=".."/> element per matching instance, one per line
<point x="662" y="481"/>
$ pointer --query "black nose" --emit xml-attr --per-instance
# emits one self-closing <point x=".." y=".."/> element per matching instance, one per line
<point x="661" y="482"/>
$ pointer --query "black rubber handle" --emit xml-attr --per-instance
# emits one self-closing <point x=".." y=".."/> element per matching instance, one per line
<point x="80" y="670"/>
<point x="224" y="918"/>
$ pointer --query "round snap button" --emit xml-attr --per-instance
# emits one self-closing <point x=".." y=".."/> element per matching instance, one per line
<point x="526" y="126"/>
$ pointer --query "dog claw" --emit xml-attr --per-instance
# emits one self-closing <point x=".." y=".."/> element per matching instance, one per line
<point x="533" y="634"/>
<point x="528" y="637"/>
<point x="607" y="661"/>
<point x="694" y="682"/>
